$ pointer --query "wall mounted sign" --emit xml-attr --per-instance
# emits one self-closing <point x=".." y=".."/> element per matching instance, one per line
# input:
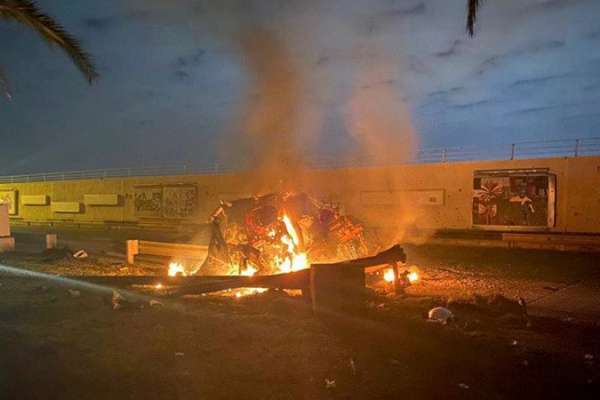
<point x="521" y="199"/>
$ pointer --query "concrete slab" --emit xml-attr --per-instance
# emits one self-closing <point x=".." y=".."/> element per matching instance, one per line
<point x="580" y="301"/>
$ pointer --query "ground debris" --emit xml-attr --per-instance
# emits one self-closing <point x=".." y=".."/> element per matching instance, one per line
<point x="330" y="384"/>
<point x="440" y="315"/>
<point x="80" y="254"/>
<point x="154" y="303"/>
<point x="352" y="366"/>
<point x="74" y="293"/>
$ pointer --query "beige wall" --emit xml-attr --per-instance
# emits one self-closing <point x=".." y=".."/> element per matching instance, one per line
<point x="429" y="196"/>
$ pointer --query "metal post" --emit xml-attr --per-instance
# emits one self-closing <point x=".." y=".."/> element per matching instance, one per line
<point x="576" y="147"/>
<point x="512" y="151"/>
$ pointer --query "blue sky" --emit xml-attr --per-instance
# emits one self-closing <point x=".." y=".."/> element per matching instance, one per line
<point x="202" y="81"/>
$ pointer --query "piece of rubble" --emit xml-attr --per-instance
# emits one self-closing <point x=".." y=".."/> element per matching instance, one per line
<point x="330" y="383"/>
<point x="179" y="354"/>
<point x="74" y="293"/>
<point x="117" y="298"/>
<point x="440" y="315"/>
<point x="80" y="254"/>
<point x="464" y="386"/>
<point x="353" y="366"/>
<point x="154" y="303"/>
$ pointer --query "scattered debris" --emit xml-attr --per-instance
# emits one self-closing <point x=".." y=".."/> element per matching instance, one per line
<point x="514" y="343"/>
<point x="441" y="315"/>
<point x="330" y="383"/>
<point x="353" y="366"/>
<point x="179" y="354"/>
<point x="464" y="386"/>
<point x="551" y="288"/>
<point x="80" y="254"/>
<point x="154" y="303"/>
<point x="117" y="298"/>
<point x="74" y="293"/>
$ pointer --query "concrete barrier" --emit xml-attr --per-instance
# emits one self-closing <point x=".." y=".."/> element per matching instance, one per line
<point x="175" y="250"/>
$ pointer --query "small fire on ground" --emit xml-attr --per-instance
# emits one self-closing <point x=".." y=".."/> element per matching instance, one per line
<point x="389" y="276"/>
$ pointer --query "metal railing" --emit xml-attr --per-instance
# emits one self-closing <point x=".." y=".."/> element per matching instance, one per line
<point x="521" y="150"/>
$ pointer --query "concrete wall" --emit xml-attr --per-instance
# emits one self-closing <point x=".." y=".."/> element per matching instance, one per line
<point x="428" y="196"/>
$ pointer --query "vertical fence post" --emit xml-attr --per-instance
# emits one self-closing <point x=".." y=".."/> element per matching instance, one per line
<point x="445" y="155"/>
<point x="576" y="147"/>
<point x="512" y="151"/>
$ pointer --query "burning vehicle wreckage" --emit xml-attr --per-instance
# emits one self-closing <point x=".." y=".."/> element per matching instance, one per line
<point x="280" y="233"/>
<point x="287" y="241"/>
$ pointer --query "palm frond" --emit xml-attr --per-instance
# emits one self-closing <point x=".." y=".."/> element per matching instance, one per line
<point x="472" y="8"/>
<point x="4" y="86"/>
<point x="28" y="13"/>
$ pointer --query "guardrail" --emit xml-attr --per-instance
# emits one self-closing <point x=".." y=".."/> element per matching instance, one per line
<point x="521" y="150"/>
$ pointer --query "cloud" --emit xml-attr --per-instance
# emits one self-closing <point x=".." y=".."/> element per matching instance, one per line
<point x="191" y="60"/>
<point x="531" y="48"/>
<point x="100" y="23"/>
<point x="542" y="79"/>
<point x="473" y="104"/>
<point x="447" y="92"/>
<point x="104" y="23"/>
<point x="392" y="16"/>
<point x="451" y="51"/>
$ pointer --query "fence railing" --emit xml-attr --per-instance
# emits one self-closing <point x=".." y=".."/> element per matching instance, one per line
<point x="521" y="150"/>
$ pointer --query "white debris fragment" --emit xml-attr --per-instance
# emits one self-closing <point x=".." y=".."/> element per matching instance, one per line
<point x="80" y="254"/>
<point x="588" y="357"/>
<point x="116" y="300"/>
<point x="179" y="354"/>
<point x="514" y="343"/>
<point x="330" y="383"/>
<point x="464" y="386"/>
<point x="154" y="303"/>
<point x="353" y="366"/>
<point x="441" y="315"/>
<point x="74" y="293"/>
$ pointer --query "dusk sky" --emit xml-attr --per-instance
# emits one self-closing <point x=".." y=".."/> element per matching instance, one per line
<point x="177" y="79"/>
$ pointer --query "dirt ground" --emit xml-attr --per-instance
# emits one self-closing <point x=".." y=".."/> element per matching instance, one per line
<point x="58" y="344"/>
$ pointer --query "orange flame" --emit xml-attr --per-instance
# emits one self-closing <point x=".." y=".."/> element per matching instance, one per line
<point x="296" y="259"/>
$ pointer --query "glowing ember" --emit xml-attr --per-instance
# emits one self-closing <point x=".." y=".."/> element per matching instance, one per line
<point x="249" y="291"/>
<point x="158" y="286"/>
<point x="413" y="277"/>
<point x="389" y="275"/>
<point x="176" y="269"/>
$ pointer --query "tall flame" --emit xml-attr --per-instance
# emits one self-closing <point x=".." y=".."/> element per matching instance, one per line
<point x="296" y="259"/>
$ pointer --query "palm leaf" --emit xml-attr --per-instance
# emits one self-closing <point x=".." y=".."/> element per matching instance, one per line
<point x="28" y="13"/>
<point x="4" y="85"/>
<point x="473" y="7"/>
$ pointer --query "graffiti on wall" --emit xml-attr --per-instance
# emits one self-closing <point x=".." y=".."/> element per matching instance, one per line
<point x="148" y="201"/>
<point x="168" y="201"/>
<point x="179" y="201"/>
<point x="9" y="197"/>
<point x="512" y="200"/>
